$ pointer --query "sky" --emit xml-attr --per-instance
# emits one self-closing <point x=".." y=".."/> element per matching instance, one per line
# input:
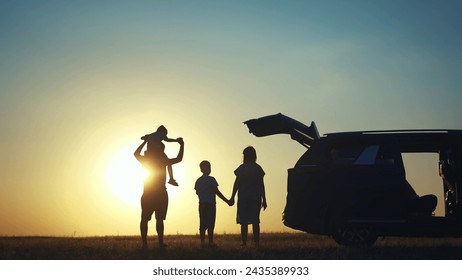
<point x="82" y="81"/>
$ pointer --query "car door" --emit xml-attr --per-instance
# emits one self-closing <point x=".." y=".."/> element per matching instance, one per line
<point x="281" y="124"/>
<point x="373" y="185"/>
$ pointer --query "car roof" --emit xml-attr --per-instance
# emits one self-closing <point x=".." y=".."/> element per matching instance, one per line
<point x="410" y="140"/>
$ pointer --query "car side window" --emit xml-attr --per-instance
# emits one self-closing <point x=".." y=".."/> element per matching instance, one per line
<point x="368" y="155"/>
<point x="386" y="156"/>
<point x="345" y="154"/>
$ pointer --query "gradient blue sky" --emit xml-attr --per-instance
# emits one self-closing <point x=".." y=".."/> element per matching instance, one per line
<point x="80" y="81"/>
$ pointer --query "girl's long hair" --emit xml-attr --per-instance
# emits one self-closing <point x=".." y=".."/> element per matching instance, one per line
<point x="250" y="154"/>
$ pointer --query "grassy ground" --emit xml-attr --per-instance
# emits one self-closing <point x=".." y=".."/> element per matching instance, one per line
<point x="187" y="247"/>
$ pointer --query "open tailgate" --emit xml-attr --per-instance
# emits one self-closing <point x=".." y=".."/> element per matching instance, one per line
<point x="281" y="124"/>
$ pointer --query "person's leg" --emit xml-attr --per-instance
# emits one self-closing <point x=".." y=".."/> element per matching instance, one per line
<point x="210" y="233"/>
<point x="202" y="234"/>
<point x="213" y="214"/>
<point x="256" y="233"/>
<point x="146" y="213"/>
<point x="160" y="231"/>
<point x="242" y="217"/>
<point x="202" y="221"/>
<point x="144" y="232"/>
<point x="244" y="231"/>
<point x="172" y="181"/>
<point x="161" y="214"/>
<point x="170" y="172"/>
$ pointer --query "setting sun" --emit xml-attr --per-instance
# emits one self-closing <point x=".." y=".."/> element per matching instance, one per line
<point x="124" y="177"/>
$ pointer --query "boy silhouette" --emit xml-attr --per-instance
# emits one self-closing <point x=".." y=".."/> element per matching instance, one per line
<point x="207" y="189"/>
<point x="154" y="140"/>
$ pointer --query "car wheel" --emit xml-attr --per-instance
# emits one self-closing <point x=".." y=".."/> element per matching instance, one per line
<point x="357" y="237"/>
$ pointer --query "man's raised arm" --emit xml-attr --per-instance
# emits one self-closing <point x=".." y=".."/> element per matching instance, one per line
<point x="179" y="157"/>
<point x="137" y="153"/>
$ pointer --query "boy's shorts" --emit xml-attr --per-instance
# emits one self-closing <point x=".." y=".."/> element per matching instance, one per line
<point x="207" y="215"/>
<point x="154" y="202"/>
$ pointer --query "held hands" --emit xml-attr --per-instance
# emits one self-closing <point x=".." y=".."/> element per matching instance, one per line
<point x="231" y="201"/>
<point x="180" y="140"/>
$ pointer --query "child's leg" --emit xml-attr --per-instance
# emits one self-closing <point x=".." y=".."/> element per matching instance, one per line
<point x="244" y="230"/>
<point x="202" y="224"/>
<point x="256" y="233"/>
<point x="170" y="174"/>
<point x="213" y="214"/>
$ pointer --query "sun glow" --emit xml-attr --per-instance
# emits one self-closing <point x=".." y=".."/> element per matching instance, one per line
<point x="124" y="177"/>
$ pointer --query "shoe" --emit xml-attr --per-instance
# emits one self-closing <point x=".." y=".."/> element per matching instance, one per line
<point x="173" y="182"/>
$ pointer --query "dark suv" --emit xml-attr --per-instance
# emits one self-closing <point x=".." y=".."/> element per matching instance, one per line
<point x="352" y="185"/>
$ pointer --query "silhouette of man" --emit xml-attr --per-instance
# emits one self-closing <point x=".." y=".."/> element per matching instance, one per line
<point x="155" y="196"/>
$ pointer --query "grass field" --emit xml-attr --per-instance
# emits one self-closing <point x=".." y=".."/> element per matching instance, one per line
<point x="187" y="247"/>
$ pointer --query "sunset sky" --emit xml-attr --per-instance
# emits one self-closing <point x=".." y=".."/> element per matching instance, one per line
<point x="81" y="81"/>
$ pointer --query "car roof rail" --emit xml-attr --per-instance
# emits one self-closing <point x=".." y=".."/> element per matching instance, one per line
<point x="399" y="131"/>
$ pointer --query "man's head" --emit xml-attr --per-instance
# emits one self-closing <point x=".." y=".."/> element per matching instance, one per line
<point x="155" y="150"/>
<point x="205" y="167"/>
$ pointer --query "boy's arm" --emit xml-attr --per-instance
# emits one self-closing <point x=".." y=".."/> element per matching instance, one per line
<point x="220" y="195"/>
<point x="137" y="153"/>
<point x="179" y="157"/>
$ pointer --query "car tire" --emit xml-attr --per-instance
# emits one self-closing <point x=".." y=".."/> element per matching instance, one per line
<point x="357" y="237"/>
